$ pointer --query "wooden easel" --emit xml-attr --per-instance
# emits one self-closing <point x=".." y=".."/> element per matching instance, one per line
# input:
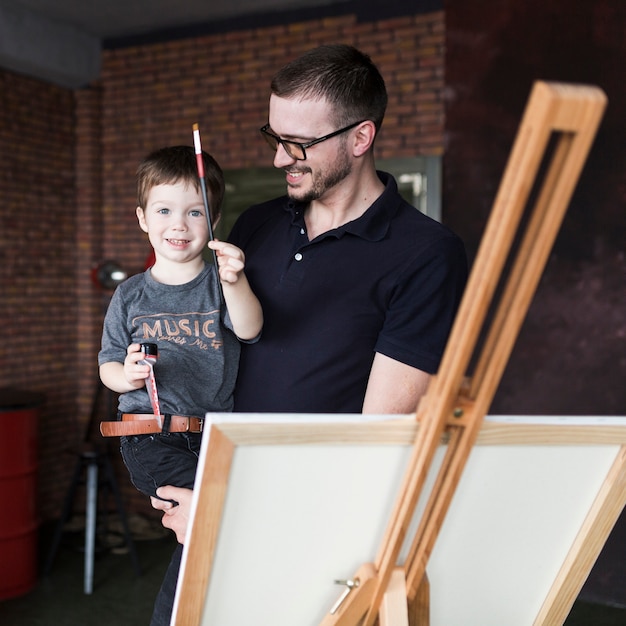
<point x="560" y="122"/>
<point x="570" y="115"/>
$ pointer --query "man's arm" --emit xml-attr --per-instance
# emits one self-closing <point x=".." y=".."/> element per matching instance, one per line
<point x="393" y="387"/>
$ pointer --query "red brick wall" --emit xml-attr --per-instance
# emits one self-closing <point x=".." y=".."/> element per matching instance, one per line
<point x="38" y="252"/>
<point x="153" y="94"/>
<point x="67" y="164"/>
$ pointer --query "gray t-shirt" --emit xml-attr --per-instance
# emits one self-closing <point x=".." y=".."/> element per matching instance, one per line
<point x="198" y="350"/>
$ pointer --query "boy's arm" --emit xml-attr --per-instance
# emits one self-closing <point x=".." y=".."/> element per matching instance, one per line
<point x="127" y="376"/>
<point x="243" y="306"/>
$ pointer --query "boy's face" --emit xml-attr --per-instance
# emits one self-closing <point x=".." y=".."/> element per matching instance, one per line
<point x="174" y="218"/>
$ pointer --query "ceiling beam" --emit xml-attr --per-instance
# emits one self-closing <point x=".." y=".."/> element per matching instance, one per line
<point x="48" y="50"/>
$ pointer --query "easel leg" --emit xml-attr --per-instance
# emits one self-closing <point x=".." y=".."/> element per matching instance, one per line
<point x="394" y="609"/>
<point x="65" y="515"/>
<point x="90" y="524"/>
<point x="112" y="483"/>
<point x="419" y="606"/>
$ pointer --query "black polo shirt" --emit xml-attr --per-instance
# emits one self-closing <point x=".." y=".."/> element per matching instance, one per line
<point x="389" y="282"/>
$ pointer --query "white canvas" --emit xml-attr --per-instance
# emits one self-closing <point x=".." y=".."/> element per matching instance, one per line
<point x="297" y="517"/>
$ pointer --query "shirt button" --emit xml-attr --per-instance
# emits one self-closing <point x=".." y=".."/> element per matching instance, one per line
<point x="298" y="257"/>
<point x="302" y="231"/>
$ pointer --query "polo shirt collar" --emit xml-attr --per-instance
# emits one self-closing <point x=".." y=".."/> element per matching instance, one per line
<point x="373" y="224"/>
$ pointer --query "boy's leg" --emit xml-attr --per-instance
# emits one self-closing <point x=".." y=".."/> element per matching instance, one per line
<point x="154" y="461"/>
<point x="157" y="460"/>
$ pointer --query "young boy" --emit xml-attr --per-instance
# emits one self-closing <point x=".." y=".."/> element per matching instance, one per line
<point x="177" y="305"/>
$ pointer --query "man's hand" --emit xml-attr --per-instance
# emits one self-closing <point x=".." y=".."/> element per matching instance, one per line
<point x="175" y="517"/>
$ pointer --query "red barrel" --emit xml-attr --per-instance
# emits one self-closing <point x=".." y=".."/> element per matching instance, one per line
<point x="19" y="415"/>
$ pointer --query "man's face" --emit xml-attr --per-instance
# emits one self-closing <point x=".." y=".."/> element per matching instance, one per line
<point x="327" y="163"/>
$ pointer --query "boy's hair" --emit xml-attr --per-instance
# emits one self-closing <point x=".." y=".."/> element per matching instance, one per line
<point x="173" y="164"/>
<point x="344" y="76"/>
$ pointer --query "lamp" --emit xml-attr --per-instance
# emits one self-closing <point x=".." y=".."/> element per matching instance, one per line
<point x="108" y="274"/>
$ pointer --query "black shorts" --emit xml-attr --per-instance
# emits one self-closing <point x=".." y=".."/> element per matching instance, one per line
<point x="161" y="459"/>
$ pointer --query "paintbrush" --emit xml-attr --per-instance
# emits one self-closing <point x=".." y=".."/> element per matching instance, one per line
<point x="205" y="198"/>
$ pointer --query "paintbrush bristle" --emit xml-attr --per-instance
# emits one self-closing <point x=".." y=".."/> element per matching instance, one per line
<point x="196" y="127"/>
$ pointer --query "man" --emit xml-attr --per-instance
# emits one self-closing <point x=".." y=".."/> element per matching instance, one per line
<point x="358" y="288"/>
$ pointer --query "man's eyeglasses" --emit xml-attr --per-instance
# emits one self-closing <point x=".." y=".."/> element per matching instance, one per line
<point x="295" y="149"/>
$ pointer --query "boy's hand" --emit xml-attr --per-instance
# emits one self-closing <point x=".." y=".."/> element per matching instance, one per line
<point x="134" y="372"/>
<point x="230" y="260"/>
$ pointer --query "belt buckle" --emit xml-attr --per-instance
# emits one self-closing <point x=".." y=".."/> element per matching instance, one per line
<point x="200" y="424"/>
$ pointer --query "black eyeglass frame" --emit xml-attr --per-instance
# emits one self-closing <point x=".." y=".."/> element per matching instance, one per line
<point x="273" y="140"/>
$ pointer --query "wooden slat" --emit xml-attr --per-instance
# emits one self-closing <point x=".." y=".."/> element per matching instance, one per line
<point x="419" y="607"/>
<point x="394" y="610"/>
<point x="202" y="538"/>
<point x="550" y="107"/>
<point x="496" y="431"/>
<point x="587" y="546"/>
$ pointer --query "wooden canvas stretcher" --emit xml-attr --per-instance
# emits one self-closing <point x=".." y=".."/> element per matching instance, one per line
<point x="552" y="143"/>
<point x="289" y="503"/>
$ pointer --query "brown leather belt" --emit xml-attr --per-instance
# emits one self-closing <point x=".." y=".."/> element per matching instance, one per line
<point x="146" y="424"/>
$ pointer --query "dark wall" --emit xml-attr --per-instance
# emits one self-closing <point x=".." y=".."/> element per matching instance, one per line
<point x="571" y="354"/>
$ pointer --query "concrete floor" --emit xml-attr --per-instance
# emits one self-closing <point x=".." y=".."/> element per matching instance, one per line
<point x="121" y="598"/>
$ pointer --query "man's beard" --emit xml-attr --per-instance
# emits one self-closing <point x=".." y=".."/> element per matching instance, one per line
<point x="324" y="179"/>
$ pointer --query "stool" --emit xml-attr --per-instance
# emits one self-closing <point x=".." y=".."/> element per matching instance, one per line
<point x="93" y="463"/>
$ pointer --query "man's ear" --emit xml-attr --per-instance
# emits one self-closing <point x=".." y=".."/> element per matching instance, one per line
<point x="141" y="217"/>
<point x="364" y="137"/>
